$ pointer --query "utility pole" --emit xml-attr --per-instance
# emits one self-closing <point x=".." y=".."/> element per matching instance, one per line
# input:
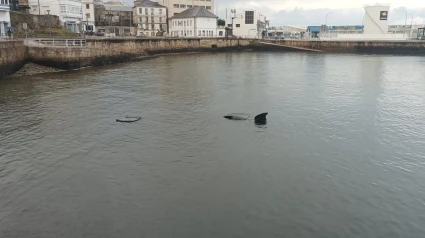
<point x="39" y="10"/>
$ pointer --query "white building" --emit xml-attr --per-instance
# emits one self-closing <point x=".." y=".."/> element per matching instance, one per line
<point x="88" y="16"/>
<point x="376" y="19"/>
<point x="178" y="6"/>
<point x="249" y="24"/>
<point x="195" y="22"/>
<point x="69" y="11"/>
<point x="4" y="17"/>
<point x="150" y="17"/>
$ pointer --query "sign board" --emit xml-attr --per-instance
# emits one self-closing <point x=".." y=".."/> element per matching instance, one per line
<point x="25" y="26"/>
<point x="384" y="15"/>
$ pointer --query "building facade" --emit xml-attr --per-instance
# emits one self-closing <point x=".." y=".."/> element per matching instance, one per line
<point x="177" y="6"/>
<point x="114" y="20"/>
<point x="88" y="16"/>
<point x="69" y="11"/>
<point x="249" y="24"/>
<point x="195" y="22"/>
<point x="150" y="18"/>
<point x="4" y="17"/>
<point x="376" y="19"/>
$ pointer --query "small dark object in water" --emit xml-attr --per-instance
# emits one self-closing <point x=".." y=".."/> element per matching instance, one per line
<point x="129" y="119"/>
<point x="260" y="119"/>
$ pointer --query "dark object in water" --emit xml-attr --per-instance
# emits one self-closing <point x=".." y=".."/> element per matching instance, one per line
<point x="129" y="119"/>
<point x="260" y="119"/>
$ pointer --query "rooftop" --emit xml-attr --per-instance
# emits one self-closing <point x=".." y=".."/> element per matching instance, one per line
<point x="146" y="3"/>
<point x="195" y="12"/>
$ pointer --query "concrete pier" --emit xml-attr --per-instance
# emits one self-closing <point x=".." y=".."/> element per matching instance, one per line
<point x="95" y="52"/>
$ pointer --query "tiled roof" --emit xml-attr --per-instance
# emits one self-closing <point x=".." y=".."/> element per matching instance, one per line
<point x="195" y="12"/>
<point x="147" y="3"/>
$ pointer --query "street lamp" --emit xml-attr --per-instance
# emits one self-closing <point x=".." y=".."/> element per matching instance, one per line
<point x="405" y="22"/>
<point x="326" y="21"/>
<point x="50" y="24"/>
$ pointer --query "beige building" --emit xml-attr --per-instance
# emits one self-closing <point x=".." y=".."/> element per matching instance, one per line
<point x="178" y="6"/>
<point x="150" y="18"/>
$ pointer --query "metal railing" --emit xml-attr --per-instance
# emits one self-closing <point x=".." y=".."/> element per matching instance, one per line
<point x="58" y="42"/>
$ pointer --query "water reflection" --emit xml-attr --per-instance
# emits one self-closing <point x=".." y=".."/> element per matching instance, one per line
<point x="343" y="145"/>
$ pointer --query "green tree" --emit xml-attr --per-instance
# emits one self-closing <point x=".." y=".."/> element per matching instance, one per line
<point x="221" y="22"/>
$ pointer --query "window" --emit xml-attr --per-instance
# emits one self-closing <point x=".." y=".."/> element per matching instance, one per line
<point x="153" y="27"/>
<point x="189" y="6"/>
<point x="63" y="8"/>
<point x="146" y="11"/>
<point x="87" y="6"/>
<point x="153" y="19"/>
<point x="199" y="33"/>
<point x="152" y="11"/>
<point x="182" y="6"/>
<point x="140" y="11"/>
<point x="190" y="22"/>
<point x="160" y="11"/>
<point x="238" y="25"/>
<point x="220" y="33"/>
<point x="88" y="15"/>
<point x="208" y="7"/>
<point x="249" y="17"/>
<point x="203" y="33"/>
<point x="176" y="5"/>
<point x="160" y="19"/>
<point x="229" y="25"/>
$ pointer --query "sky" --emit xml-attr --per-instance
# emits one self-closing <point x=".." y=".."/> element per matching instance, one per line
<point x="313" y="12"/>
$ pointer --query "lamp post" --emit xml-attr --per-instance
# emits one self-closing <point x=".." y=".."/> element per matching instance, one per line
<point x="405" y="23"/>
<point x="50" y="24"/>
<point x="326" y="21"/>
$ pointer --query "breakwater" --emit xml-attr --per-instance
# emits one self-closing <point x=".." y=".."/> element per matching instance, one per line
<point x="96" y="52"/>
<point x="415" y="47"/>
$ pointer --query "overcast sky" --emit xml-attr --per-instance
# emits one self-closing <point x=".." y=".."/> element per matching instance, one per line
<point x="313" y="12"/>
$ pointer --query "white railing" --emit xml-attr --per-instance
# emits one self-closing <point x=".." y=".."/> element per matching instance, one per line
<point x="57" y="42"/>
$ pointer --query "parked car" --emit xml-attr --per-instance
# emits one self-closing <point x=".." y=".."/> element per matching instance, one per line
<point x="89" y="33"/>
<point x="100" y="33"/>
<point x="142" y="35"/>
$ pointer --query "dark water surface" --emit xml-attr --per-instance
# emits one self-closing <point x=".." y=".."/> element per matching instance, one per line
<point x="342" y="155"/>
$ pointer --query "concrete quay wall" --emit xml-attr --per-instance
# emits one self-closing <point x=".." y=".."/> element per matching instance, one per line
<point x="367" y="47"/>
<point x="13" y="55"/>
<point x="107" y="51"/>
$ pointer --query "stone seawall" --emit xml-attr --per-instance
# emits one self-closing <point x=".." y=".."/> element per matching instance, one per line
<point x="13" y="55"/>
<point x="367" y="47"/>
<point x="107" y="51"/>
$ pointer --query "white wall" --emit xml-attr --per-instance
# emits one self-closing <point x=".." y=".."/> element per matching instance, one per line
<point x="143" y="26"/>
<point x="4" y="22"/>
<point x="200" y="27"/>
<point x="240" y="29"/>
<point x="91" y="19"/>
<point x="372" y="22"/>
<point x="67" y="10"/>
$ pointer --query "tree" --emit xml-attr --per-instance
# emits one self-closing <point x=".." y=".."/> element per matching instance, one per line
<point x="221" y="22"/>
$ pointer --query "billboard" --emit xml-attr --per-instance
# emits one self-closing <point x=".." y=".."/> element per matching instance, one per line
<point x="383" y="16"/>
